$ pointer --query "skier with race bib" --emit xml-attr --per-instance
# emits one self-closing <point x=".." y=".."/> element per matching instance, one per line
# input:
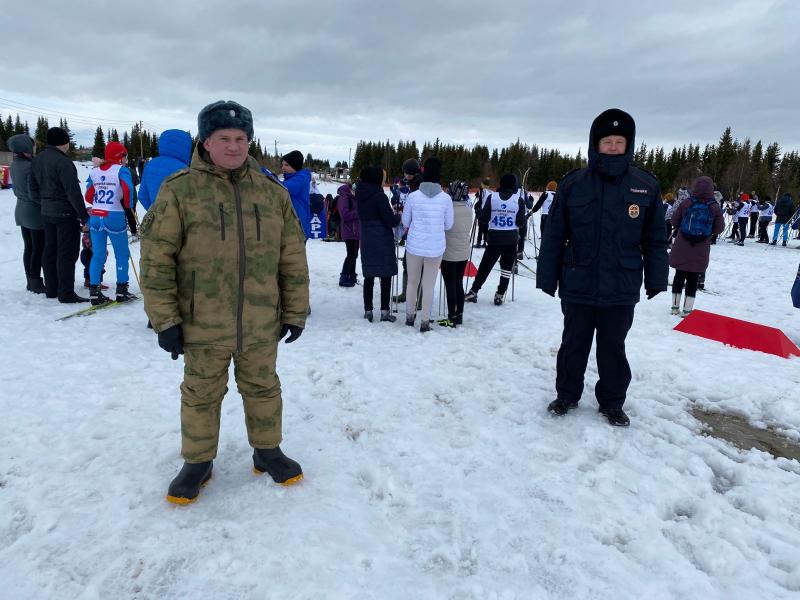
<point x="108" y="191"/>
<point x="504" y="214"/>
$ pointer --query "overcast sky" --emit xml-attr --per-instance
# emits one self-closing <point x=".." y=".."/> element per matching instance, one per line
<point x="320" y="76"/>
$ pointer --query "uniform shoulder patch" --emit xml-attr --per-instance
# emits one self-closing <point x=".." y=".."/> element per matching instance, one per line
<point x="176" y="174"/>
<point x="147" y="223"/>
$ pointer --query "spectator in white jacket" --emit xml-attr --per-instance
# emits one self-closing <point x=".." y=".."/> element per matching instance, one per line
<point x="427" y="214"/>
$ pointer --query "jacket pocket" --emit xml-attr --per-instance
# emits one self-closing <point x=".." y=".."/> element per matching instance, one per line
<point x="630" y="276"/>
<point x="258" y="222"/>
<point x="221" y="221"/>
<point x="191" y="298"/>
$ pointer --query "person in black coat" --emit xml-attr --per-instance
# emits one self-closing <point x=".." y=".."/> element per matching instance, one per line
<point x="54" y="184"/>
<point x="604" y="231"/>
<point x="378" y="252"/>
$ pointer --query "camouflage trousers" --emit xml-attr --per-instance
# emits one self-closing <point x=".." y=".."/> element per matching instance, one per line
<point x="205" y="382"/>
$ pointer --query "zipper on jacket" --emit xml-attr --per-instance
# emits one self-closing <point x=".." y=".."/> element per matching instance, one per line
<point x="242" y="265"/>
<point x="258" y="223"/>
<point x="191" y="301"/>
<point x="221" y="221"/>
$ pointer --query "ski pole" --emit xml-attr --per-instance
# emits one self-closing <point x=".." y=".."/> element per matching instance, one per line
<point x="135" y="274"/>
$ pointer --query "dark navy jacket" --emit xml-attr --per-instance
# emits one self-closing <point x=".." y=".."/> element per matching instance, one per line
<point x="604" y="231"/>
<point x="378" y="258"/>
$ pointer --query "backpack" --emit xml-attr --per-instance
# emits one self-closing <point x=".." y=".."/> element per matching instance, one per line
<point x="698" y="221"/>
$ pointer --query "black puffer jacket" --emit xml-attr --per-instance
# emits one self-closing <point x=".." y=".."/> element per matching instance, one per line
<point x="377" y="220"/>
<point x="54" y="182"/>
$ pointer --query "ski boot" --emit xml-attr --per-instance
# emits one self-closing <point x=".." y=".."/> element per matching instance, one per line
<point x="498" y="298"/>
<point x="87" y="284"/>
<point x="97" y="297"/>
<point x="471" y="296"/>
<point x="773" y="242"/>
<point x="386" y="315"/>
<point x="185" y="488"/>
<point x="615" y="416"/>
<point x="123" y="294"/>
<point x="280" y="467"/>
<point x="446" y="323"/>
<point x="368" y="315"/>
<point x="561" y="407"/>
<point x="784" y="243"/>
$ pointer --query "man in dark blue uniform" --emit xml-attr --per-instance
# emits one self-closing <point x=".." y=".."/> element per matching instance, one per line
<point x="605" y="228"/>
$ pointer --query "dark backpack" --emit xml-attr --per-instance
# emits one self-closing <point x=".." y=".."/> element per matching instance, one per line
<point x="698" y="222"/>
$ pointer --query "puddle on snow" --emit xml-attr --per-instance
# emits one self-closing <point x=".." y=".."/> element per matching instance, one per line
<point x="737" y="431"/>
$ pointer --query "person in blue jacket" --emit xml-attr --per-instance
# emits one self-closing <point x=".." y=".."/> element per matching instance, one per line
<point x="297" y="180"/>
<point x="174" y="153"/>
<point x="604" y="230"/>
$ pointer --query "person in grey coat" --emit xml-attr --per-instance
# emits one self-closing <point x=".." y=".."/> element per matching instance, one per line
<point x="28" y="212"/>
<point x="376" y="221"/>
<point x="456" y="253"/>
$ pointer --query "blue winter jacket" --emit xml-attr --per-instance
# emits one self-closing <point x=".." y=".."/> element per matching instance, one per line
<point x="175" y="151"/>
<point x="299" y="186"/>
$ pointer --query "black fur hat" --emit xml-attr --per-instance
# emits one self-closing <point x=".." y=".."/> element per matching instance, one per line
<point x="224" y="114"/>
<point x="372" y="175"/>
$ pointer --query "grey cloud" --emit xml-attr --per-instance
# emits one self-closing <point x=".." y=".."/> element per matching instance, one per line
<point x="321" y="76"/>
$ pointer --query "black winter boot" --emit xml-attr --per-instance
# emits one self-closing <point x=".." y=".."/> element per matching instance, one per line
<point x="471" y="296"/>
<point x="280" y="467"/>
<point x="386" y="315"/>
<point x="36" y="285"/>
<point x="123" y="294"/>
<point x="97" y="297"/>
<point x="615" y="416"/>
<point x="368" y="315"/>
<point x="561" y="407"/>
<point x="72" y="298"/>
<point x="185" y="488"/>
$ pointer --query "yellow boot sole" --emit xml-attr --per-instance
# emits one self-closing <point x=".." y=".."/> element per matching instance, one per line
<point x="184" y="501"/>
<point x="287" y="483"/>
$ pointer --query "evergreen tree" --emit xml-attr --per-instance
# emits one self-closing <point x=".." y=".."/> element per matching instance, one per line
<point x="99" y="147"/>
<point x="40" y="136"/>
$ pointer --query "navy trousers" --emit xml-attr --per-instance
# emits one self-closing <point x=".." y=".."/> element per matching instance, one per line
<point x="611" y="323"/>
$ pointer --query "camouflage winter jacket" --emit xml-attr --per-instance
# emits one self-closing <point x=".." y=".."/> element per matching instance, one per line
<point x="223" y="255"/>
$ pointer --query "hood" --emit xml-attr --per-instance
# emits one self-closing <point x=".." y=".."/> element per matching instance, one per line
<point x="366" y="190"/>
<point x="430" y="189"/>
<point x="610" y="122"/>
<point x="177" y="144"/>
<point x="20" y="143"/>
<point x="344" y="191"/>
<point x="301" y="173"/>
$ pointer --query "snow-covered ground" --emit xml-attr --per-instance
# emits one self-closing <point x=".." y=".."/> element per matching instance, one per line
<point x="432" y="468"/>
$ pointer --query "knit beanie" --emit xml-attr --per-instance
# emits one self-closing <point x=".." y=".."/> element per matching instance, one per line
<point x="372" y="175"/>
<point x="224" y="114"/>
<point x="432" y="170"/>
<point x="114" y="152"/>
<point x="411" y="166"/>
<point x="509" y="182"/>
<point x="294" y="159"/>
<point x="56" y="136"/>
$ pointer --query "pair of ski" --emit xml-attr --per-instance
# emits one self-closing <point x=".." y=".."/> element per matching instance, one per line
<point x="90" y="310"/>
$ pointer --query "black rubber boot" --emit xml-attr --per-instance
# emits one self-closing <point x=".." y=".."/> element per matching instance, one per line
<point x="561" y="407"/>
<point x="185" y="488"/>
<point x="36" y="285"/>
<point x="97" y="297"/>
<point x="615" y="416"/>
<point x="280" y="467"/>
<point x="123" y="294"/>
<point x="72" y="298"/>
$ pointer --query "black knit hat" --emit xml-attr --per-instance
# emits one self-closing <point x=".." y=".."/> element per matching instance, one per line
<point x="613" y="122"/>
<point x="432" y="170"/>
<point x="294" y="159"/>
<point x="411" y="166"/>
<point x="56" y="136"/>
<point x="509" y="182"/>
<point x="224" y="114"/>
<point x="372" y="175"/>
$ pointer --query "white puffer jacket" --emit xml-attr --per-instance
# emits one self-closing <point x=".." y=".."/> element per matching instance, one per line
<point x="427" y="217"/>
<point x="458" y="235"/>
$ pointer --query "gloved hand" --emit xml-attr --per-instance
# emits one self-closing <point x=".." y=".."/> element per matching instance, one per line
<point x="550" y="293"/>
<point x="295" y="330"/>
<point x="652" y="293"/>
<point x="171" y="340"/>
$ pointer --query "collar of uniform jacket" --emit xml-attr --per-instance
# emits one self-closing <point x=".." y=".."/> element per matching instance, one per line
<point x="201" y="162"/>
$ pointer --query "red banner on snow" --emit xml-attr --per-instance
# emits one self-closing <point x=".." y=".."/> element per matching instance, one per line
<point x="738" y="333"/>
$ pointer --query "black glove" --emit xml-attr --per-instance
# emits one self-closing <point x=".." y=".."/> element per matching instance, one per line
<point x="296" y="332"/>
<point x="550" y="293"/>
<point x="652" y="293"/>
<point x="171" y="340"/>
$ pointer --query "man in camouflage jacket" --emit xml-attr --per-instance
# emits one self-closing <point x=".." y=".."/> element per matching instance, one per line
<point x="224" y="275"/>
